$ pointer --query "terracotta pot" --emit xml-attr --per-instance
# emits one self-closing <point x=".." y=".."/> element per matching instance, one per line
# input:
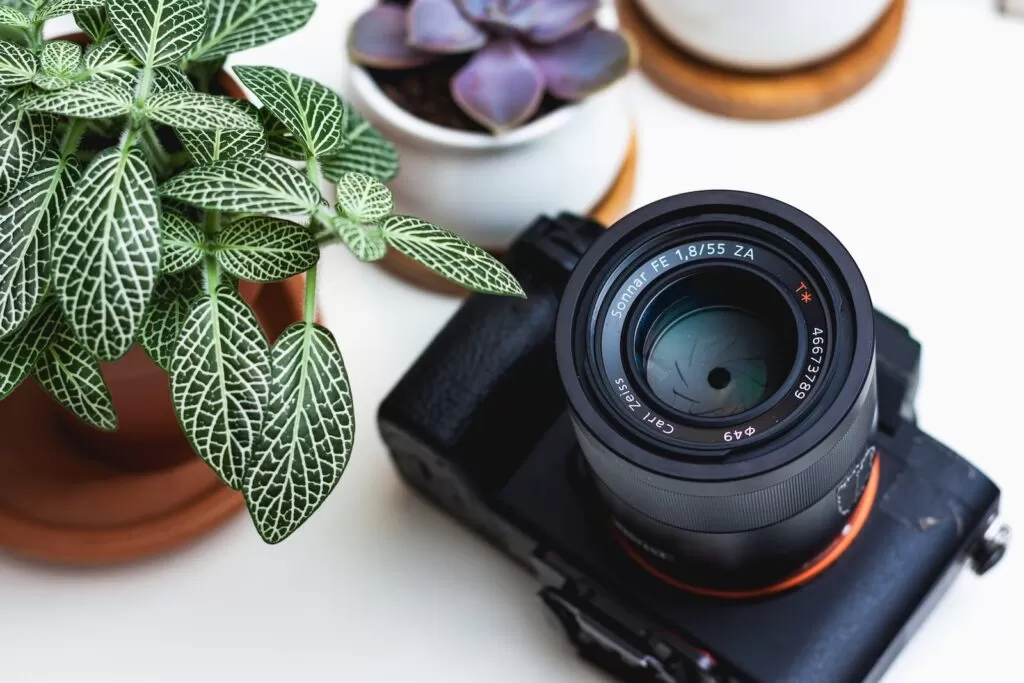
<point x="148" y="435"/>
<point x="60" y="504"/>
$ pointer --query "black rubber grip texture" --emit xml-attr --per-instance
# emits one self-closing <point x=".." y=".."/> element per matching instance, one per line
<point x="487" y="388"/>
<point x="655" y="496"/>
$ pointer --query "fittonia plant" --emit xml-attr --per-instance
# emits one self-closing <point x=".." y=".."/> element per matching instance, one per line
<point x="520" y="49"/>
<point x="143" y="242"/>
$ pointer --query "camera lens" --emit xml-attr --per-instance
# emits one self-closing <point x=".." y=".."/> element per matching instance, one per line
<point x="716" y="344"/>
<point x="717" y="350"/>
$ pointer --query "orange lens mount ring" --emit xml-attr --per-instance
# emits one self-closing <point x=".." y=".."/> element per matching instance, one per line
<point x="854" y="524"/>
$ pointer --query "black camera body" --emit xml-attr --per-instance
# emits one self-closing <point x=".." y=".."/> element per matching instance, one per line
<point x="480" y="426"/>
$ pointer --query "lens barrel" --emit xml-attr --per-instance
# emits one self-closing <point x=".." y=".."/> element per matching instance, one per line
<point x="717" y="350"/>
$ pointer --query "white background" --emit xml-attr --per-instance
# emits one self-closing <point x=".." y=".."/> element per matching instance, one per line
<point x="920" y="176"/>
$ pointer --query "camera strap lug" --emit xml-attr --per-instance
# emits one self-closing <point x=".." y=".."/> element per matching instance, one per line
<point x="991" y="548"/>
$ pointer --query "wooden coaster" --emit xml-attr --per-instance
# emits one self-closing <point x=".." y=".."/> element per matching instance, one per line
<point x="756" y="95"/>
<point x="60" y="505"/>
<point x="611" y="208"/>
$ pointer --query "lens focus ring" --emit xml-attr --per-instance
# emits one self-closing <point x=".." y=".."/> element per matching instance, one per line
<point x="659" y="497"/>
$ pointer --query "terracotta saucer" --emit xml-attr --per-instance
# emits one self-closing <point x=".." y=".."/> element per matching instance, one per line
<point x="60" y="505"/>
<point x="762" y="96"/>
<point x="612" y="207"/>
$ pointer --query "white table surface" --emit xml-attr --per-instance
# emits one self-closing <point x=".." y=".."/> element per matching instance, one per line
<point x="920" y="176"/>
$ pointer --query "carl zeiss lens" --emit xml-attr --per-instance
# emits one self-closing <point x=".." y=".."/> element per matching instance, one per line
<point x="717" y="344"/>
<point x="717" y="350"/>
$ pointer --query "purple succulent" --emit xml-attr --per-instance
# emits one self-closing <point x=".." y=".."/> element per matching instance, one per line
<point x="521" y="48"/>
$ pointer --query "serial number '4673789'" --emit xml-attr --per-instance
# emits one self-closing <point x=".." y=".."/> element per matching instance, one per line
<point x="815" y="359"/>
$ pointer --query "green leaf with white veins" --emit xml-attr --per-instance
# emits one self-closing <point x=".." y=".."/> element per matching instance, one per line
<point x="94" y="23"/>
<point x="280" y="141"/>
<point x="10" y="16"/>
<point x="238" y="25"/>
<point x="71" y="375"/>
<point x="167" y="79"/>
<point x="166" y="314"/>
<point x="365" y="241"/>
<point x="219" y="382"/>
<point x="15" y="34"/>
<point x="89" y="100"/>
<point x="25" y="6"/>
<point x="313" y="113"/>
<point x="198" y="111"/>
<point x="17" y="65"/>
<point x="181" y="243"/>
<point x="108" y="60"/>
<point x="60" y="62"/>
<point x="261" y="249"/>
<point x="60" y="58"/>
<point x="363" y="199"/>
<point x="309" y="432"/>
<point x="246" y="186"/>
<point x="450" y="256"/>
<point x="48" y="82"/>
<point x="58" y="8"/>
<point x="364" y="151"/>
<point x="204" y="146"/>
<point x="23" y="138"/>
<point x="20" y="349"/>
<point x="27" y="220"/>
<point x="158" y="32"/>
<point x="106" y="251"/>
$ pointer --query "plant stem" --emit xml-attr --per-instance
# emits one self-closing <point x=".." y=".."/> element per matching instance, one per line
<point x="72" y="137"/>
<point x="35" y="36"/>
<point x="211" y="224"/>
<point x="160" y="158"/>
<point x="323" y="215"/>
<point x="212" y="275"/>
<point x="309" y="309"/>
<point x="131" y="135"/>
<point x="325" y="237"/>
<point x="322" y="219"/>
<point x="135" y="124"/>
<point x="145" y="84"/>
<point x="313" y="171"/>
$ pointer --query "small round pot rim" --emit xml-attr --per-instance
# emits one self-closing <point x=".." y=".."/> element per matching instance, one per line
<point x="425" y="130"/>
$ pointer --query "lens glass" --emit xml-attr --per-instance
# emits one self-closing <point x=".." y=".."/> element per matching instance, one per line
<point x="717" y="343"/>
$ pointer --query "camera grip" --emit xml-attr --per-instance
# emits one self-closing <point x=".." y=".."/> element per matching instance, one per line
<point x="486" y="388"/>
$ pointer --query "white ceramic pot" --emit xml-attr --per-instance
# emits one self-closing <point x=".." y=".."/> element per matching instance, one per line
<point x="489" y="188"/>
<point x="764" y="35"/>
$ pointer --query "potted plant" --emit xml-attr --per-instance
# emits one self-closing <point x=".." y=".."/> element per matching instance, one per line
<point x="138" y="200"/>
<point x="494" y="106"/>
<point x="763" y="35"/>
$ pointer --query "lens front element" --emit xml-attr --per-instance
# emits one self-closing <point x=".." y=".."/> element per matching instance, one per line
<point x="718" y="344"/>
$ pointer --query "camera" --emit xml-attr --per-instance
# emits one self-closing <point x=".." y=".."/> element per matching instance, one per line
<point x="699" y="435"/>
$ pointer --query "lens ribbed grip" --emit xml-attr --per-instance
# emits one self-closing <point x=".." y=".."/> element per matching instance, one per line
<point x="653" y="494"/>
